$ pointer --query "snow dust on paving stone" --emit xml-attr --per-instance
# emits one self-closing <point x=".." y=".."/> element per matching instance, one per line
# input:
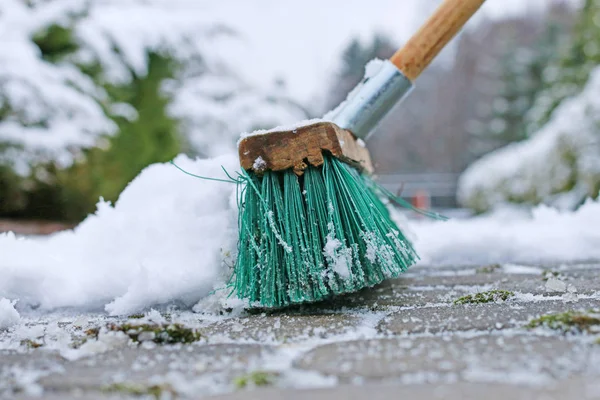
<point x="481" y="317"/>
<point x="209" y="366"/>
<point x="315" y="346"/>
<point x="22" y="373"/>
<point x="581" y="389"/>
<point x="282" y="327"/>
<point x="215" y="364"/>
<point x="512" y="359"/>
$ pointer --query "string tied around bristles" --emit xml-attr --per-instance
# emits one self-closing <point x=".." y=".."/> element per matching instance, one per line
<point x="207" y="178"/>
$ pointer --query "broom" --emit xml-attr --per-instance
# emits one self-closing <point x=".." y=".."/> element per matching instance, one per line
<point x="312" y="223"/>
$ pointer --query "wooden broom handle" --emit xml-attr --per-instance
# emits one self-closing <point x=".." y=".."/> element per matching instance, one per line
<point x="426" y="44"/>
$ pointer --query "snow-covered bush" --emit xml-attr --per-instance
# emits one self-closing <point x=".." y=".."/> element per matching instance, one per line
<point x="139" y="79"/>
<point x="560" y="164"/>
<point x="53" y="106"/>
<point x="46" y="108"/>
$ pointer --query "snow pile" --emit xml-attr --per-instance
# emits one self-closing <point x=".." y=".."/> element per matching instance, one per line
<point x="560" y="165"/>
<point x="170" y="237"/>
<point x="8" y="315"/>
<point x="164" y="240"/>
<point x="55" y="108"/>
<point x="547" y="235"/>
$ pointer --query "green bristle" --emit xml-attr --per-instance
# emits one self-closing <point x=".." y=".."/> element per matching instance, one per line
<point x="304" y="239"/>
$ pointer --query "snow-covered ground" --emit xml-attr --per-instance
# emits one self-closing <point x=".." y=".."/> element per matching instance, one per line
<point x="171" y="238"/>
<point x="540" y="235"/>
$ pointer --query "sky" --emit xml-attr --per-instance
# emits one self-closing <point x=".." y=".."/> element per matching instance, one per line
<point x="307" y="61"/>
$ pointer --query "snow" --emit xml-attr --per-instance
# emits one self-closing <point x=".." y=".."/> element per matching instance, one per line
<point x="556" y="285"/>
<point x="259" y="164"/>
<point x="106" y="341"/>
<point x="558" y="165"/>
<point x="169" y="239"/>
<point x="546" y="236"/>
<point x="373" y="67"/>
<point x="284" y="128"/>
<point x="339" y="257"/>
<point x="164" y="240"/>
<point x="8" y="315"/>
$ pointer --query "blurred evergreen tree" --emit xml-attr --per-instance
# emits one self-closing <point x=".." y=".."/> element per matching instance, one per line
<point x="148" y="137"/>
<point x="567" y="76"/>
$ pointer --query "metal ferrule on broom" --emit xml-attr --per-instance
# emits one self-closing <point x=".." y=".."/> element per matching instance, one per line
<point x="372" y="100"/>
<point x="380" y="93"/>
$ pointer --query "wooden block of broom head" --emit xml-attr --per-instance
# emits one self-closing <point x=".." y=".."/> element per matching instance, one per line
<point x="301" y="147"/>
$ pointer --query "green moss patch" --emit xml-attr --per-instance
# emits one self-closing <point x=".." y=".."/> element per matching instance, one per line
<point x="157" y="333"/>
<point x="569" y="322"/>
<point x="156" y="391"/>
<point x="488" y="269"/>
<point x="256" y="378"/>
<point x="491" y="296"/>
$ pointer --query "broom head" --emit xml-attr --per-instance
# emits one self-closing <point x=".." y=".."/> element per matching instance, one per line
<point x="312" y="223"/>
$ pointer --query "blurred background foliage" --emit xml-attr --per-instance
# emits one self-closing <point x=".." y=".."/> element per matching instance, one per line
<point x="568" y="73"/>
<point x="509" y="76"/>
<point x="551" y="109"/>
<point x="116" y="95"/>
<point x="146" y="137"/>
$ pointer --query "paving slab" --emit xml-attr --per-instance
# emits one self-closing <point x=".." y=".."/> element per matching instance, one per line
<point x="138" y="365"/>
<point x="571" y="389"/>
<point x="486" y="317"/>
<point x="533" y="358"/>
<point x="281" y="327"/>
<point x="475" y="279"/>
<point x="404" y="337"/>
